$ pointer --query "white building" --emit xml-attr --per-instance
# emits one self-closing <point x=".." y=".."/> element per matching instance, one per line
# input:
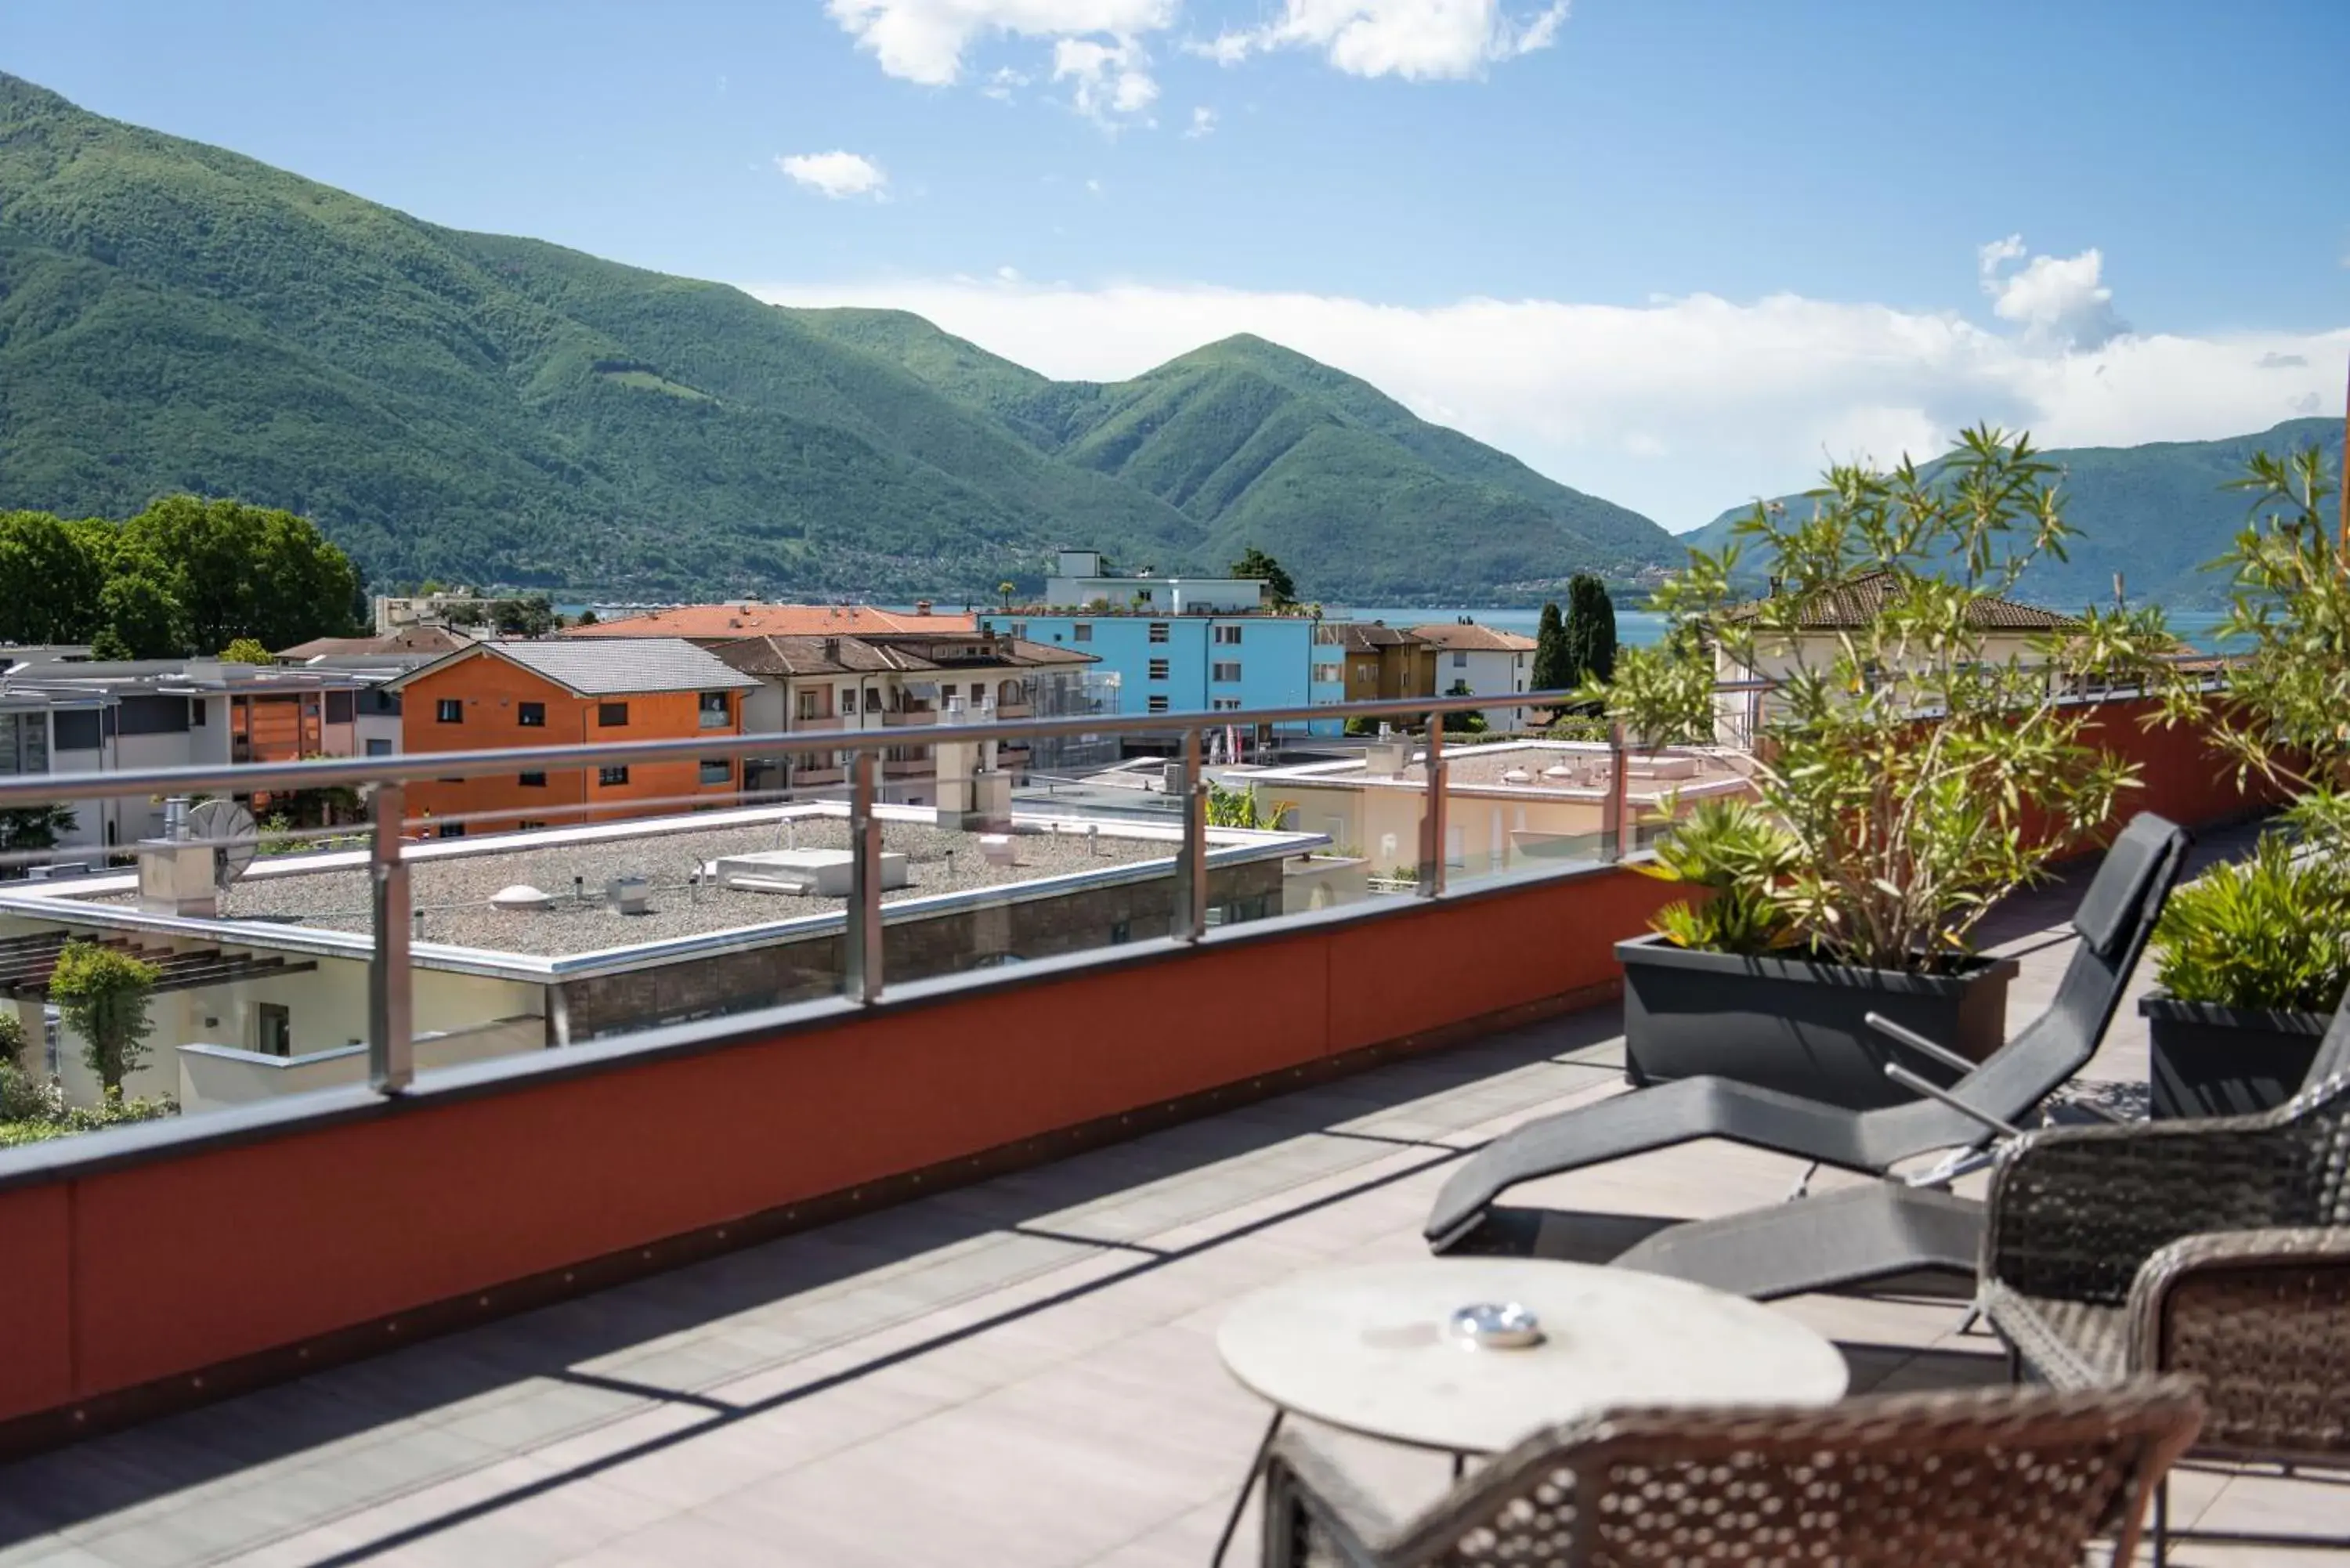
<point x="1080" y="578"/>
<point x="1489" y="663"/>
<point x="118" y="716"/>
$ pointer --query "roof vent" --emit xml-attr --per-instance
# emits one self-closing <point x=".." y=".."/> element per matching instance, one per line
<point x="629" y="896"/>
<point x="1516" y="776"/>
<point x="1558" y="771"/>
<point x="519" y="897"/>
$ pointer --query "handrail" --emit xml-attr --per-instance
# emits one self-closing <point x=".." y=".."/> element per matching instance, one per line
<point x="34" y="789"/>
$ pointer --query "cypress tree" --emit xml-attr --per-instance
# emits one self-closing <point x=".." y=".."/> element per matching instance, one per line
<point x="1588" y="636"/>
<point x="1551" y="671"/>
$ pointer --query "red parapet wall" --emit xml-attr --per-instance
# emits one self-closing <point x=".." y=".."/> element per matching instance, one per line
<point x="131" y="1277"/>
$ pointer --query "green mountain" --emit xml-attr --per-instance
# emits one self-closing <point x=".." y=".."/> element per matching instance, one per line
<point x="174" y="317"/>
<point x="2155" y="514"/>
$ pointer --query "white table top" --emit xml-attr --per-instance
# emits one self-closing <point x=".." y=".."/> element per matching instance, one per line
<point x="1371" y="1349"/>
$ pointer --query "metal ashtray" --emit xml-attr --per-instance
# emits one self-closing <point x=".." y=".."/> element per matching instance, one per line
<point x="1497" y="1325"/>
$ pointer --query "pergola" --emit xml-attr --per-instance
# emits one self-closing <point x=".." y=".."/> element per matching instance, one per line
<point x="29" y="963"/>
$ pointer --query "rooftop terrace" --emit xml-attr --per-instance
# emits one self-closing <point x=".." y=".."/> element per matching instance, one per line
<point x="1019" y="1371"/>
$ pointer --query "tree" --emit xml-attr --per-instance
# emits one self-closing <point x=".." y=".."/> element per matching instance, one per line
<point x="1278" y="585"/>
<point x="1589" y="633"/>
<point x="12" y="1041"/>
<point x="102" y="995"/>
<point x="1468" y="722"/>
<point x="29" y="830"/>
<point x="246" y="650"/>
<point x="1005" y="591"/>
<point x="245" y="571"/>
<point x="141" y="620"/>
<point x="1552" y="672"/>
<point x="588" y="617"/>
<point x="52" y="580"/>
<point x="530" y="615"/>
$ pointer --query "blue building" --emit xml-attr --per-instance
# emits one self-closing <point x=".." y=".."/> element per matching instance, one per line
<point x="1201" y="663"/>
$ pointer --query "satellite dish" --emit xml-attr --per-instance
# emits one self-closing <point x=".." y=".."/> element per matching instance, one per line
<point x="228" y="828"/>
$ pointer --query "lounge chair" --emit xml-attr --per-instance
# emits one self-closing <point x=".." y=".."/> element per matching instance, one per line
<point x="1887" y="1228"/>
<point x="2215" y="1248"/>
<point x="1983" y="1478"/>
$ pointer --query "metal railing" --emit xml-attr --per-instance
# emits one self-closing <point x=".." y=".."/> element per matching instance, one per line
<point x="383" y="780"/>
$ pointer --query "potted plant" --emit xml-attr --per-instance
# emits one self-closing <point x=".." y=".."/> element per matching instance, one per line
<point x="2251" y="960"/>
<point x="1918" y="756"/>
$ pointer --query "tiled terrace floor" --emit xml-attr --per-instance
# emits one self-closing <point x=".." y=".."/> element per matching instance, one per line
<point x="1019" y="1373"/>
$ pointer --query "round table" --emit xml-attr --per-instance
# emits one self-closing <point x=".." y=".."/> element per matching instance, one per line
<point x="1373" y="1350"/>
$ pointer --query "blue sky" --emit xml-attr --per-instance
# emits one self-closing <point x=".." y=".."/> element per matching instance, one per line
<point x="1675" y="254"/>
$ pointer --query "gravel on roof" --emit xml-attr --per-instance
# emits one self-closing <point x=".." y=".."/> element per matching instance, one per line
<point x="453" y="891"/>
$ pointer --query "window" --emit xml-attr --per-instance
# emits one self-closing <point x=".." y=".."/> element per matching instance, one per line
<point x="273" y="1029"/>
<point x="340" y="707"/>
<point x="1230" y="636"/>
<point x="1019" y="631"/>
<point x="78" y="732"/>
<point x="612" y="776"/>
<point x="154" y="716"/>
<point x="812" y="704"/>
<point x="450" y="711"/>
<point x="715" y="711"/>
<point x="378" y="748"/>
<point x="1225" y="704"/>
<point x="717" y="771"/>
<point x="1460" y="661"/>
<point x="1082" y="632"/>
<point x="531" y="781"/>
<point x="612" y="715"/>
<point x="531" y="715"/>
<point x="1329" y="674"/>
<point x="872" y="699"/>
<point x="1159" y="670"/>
<point x="1226" y="672"/>
<point x="198" y="709"/>
<point x="1157" y="631"/>
<point x="453" y="830"/>
<point x="1159" y="704"/>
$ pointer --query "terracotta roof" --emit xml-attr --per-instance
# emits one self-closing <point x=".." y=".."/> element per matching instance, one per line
<point x="407" y="640"/>
<point x="1858" y="602"/>
<point x="619" y="666"/>
<point x="1472" y="638"/>
<point x="793" y="656"/>
<point x="727" y="623"/>
<point x="1358" y="635"/>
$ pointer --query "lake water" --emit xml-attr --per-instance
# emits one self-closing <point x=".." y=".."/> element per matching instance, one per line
<point x="1638" y="629"/>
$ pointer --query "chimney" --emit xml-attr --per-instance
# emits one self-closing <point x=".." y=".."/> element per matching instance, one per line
<point x="832" y="649"/>
<point x="922" y="606"/>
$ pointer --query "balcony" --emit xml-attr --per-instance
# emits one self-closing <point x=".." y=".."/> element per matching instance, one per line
<point x="896" y="718"/>
<point x="805" y="726"/>
<point x="693" y="1296"/>
<point x="1007" y="711"/>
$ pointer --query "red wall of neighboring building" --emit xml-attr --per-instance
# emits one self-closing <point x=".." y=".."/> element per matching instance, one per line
<point x="492" y="691"/>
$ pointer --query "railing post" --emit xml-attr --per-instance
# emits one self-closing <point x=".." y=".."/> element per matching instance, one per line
<point x="861" y="945"/>
<point x="1619" y="793"/>
<point x="1190" y="921"/>
<point x="392" y="1035"/>
<point x="1431" y="820"/>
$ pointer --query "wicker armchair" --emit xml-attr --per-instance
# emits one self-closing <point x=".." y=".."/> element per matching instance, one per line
<point x="2218" y="1247"/>
<point x="2012" y="1478"/>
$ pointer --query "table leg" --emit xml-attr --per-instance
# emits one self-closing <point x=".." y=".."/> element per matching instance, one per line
<point x="1248" y="1484"/>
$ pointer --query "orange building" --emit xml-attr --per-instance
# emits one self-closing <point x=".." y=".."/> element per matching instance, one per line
<point x="494" y="695"/>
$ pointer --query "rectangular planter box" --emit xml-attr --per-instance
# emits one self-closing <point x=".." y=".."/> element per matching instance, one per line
<point x="1796" y="1025"/>
<point x="2204" y="1060"/>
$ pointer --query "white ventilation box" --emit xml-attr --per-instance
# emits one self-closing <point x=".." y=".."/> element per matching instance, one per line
<point x="819" y="873"/>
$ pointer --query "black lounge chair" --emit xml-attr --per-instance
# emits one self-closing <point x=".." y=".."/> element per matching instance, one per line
<point x="1870" y="1233"/>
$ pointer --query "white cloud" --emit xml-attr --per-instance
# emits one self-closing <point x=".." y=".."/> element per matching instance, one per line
<point x="1415" y="39"/>
<point x="838" y="175"/>
<point x="924" y="40"/>
<point x="1679" y="408"/>
<point x="2054" y="300"/>
<point x="1111" y="84"/>
<point x="1003" y="83"/>
<point x="1203" y="123"/>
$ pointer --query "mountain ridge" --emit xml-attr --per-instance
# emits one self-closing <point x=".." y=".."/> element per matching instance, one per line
<point x="180" y="316"/>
